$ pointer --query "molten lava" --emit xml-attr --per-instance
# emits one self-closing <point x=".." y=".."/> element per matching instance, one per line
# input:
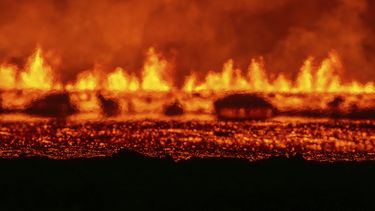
<point x="324" y="80"/>
<point x="119" y="80"/>
<point x="152" y="70"/>
<point x="86" y="81"/>
<point x="37" y="74"/>
<point x="7" y="76"/>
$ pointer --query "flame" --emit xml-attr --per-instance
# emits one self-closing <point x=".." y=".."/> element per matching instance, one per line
<point x="305" y="78"/>
<point x="228" y="79"/>
<point x="119" y="80"/>
<point x="153" y="68"/>
<point x="325" y="77"/>
<point x="86" y="81"/>
<point x="7" y="76"/>
<point x="37" y="73"/>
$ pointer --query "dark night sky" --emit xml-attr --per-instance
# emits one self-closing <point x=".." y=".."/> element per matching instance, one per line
<point x="196" y="35"/>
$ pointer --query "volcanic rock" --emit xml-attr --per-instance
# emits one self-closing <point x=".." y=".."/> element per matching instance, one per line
<point x="175" y="109"/>
<point x="353" y="112"/>
<point x="360" y="113"/>
<point x="335" y="107"/>
<point x="52" y="105"/>
<point x="243" y="107"/>
<point x="336" y="102"/>
<point x="110" y="107"/>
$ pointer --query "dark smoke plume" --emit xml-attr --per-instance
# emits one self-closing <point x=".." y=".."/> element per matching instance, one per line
<point x="197" y="35"/>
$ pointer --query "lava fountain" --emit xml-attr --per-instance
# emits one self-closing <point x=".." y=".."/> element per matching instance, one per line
<point x="322" y="78"/>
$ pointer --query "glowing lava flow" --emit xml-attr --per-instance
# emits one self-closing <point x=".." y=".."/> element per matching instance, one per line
<point x="37" y="74"/>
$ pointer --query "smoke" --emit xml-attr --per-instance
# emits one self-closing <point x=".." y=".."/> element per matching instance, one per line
<point x="342" y="29"/>
<point x="197" y="35"/>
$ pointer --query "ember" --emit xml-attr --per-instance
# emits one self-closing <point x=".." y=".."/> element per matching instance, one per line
<point x="318" y="141"/>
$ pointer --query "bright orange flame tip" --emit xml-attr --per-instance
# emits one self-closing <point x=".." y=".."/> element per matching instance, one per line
<point x="153" y="69"/>
<point x="37" y="74"/>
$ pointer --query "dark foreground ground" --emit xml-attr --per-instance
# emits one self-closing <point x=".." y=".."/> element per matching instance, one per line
<point x="130" y="181"/>
<point x="187" y="165"/>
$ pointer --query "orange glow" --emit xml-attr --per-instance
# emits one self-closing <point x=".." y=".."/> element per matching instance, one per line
<point x="321" y="78"/>
<point x="305" y="78"/>
<point x="325" y="79"/>
<point x="85" y="81"/>
<point x="153" y="68"/>
<point x="119" y="80"/>
<point x="7" y="77"/>
<point x="37" y="73"/>
<point x="229" y="79"/>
